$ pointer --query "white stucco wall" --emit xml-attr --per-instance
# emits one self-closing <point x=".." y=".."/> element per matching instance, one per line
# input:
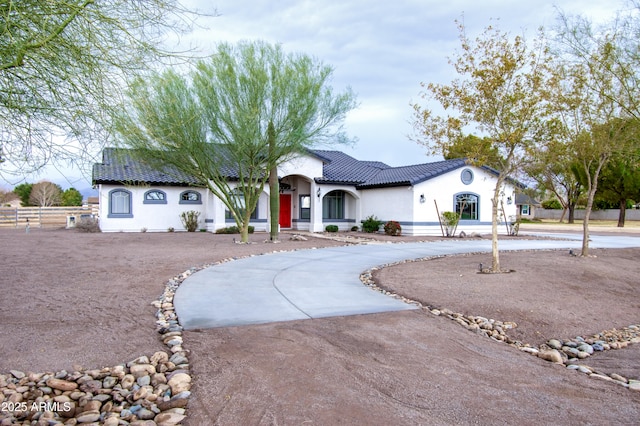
<point x="403" y="204"/>
<point x="309" y="167"/>
<point x="388" y="203"/>
<point x="443" y="189"/>
<point x="150" y="217"/>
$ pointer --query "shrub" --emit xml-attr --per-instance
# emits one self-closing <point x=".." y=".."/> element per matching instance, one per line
<point x="88" y="224"/>
<point x="392" y="228"/>
<point x="190" y="220"/>
<point x="354" y="228"/>
<point x="371" y="224"/>
<point x="450" y="222"/>
<point x="170" y="229"/>
<point x="233" y="230"/>
<point x="331" y="228"/>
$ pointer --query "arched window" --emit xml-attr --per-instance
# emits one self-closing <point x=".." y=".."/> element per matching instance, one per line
<point x="333" y="205"/>
<point x="155" y="196"/>
<point x="120" y="203"/>
<point x="468" y="205"/>
<point x="190" y="197"/>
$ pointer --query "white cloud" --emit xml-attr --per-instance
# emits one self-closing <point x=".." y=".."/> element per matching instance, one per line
<point x="383" y="50"/>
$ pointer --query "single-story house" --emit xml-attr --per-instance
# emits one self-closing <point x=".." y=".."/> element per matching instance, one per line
<point x="317" y="189"/>
<point x="526" y="206"/>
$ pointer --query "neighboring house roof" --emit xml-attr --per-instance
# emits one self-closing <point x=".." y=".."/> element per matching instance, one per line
<point x="525" y="199"/>
<point x="339" y="168"/>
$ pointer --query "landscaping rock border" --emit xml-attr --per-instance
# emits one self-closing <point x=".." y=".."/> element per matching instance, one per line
<point x="567" y="352"/>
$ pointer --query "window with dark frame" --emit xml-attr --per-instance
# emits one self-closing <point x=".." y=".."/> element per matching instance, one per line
<point x="333" y="205"/>
<point x="305" y="207"/>
<point x="120" y="203"/>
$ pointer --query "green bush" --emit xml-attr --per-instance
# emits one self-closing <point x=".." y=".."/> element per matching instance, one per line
<point x="233" y="230"/>
<point x="371" y="224"/>
<point x="392" y="228"/>
<point x="450" y="222"/>
<point x="552" y="204"/>
<point x="331" y="228"/>
<point x="355" y="228"/>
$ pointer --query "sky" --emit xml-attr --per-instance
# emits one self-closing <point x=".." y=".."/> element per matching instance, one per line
<point x="381" y="50"/>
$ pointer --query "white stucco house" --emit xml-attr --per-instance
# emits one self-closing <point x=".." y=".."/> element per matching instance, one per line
<point x="317" y="189"/>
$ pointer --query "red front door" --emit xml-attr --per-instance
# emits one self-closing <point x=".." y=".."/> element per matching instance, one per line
<point x="285" y="211"/>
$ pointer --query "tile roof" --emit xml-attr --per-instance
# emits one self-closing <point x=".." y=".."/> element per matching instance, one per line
<point x="118" y="166"/>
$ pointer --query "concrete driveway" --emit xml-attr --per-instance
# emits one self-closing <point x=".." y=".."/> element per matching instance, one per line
<point x="325" y="282"/>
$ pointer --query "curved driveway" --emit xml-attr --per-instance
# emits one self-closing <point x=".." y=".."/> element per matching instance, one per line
<point x="323" y="282"/>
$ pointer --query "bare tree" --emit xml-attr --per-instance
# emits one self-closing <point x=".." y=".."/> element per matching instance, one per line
<point x="45" y="194"/>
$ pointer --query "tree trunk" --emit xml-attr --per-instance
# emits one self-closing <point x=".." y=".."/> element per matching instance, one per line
<point x="244" y="231"/>
<point x="564" y="212"/>
<point x="623" y="213"/>
<point x="572" y="213"/>
<point x="274" y="203"/>
<point x="585" y="223"/>
<point x="274" y="187"/>
<point x="495" y="253"/>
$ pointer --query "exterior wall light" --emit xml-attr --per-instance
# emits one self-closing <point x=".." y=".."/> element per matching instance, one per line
<point x="318" y="192"/>
<point x="422" y="199"/>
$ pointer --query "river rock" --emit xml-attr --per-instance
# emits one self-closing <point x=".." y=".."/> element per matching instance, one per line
<point x="88" y="416"/>
<point x="555" y="344"/>
<point x="180" y="382"/>
<point x="139" y="370"/>
<point x="551" y="355"/>
<point x="62" y="385"/>
<point x="169" y="419"/>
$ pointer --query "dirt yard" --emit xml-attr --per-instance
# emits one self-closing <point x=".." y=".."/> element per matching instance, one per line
<point x="73" y="300"/>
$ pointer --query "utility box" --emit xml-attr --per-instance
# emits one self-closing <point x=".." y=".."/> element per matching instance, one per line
<point x="71" y="222"/>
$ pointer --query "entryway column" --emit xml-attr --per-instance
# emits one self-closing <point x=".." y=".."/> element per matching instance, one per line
<point x="317" y="193"/>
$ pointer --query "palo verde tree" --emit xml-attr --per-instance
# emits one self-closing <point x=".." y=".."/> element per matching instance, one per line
<point x="234" y="119"/>
<point x="62" y="67"/>
<point x="499" y="94"/>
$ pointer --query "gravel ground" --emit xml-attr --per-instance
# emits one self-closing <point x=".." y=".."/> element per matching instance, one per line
<point x="73" y="300"/>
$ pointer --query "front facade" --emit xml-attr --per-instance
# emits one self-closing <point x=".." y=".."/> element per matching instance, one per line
<point x="318" y="189"/>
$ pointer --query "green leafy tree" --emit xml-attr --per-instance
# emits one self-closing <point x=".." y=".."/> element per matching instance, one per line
<point x="62" y="65"/>
<point x="236" y="116"/>
<point x="620" y="182"/>
<point x="499" y="93"/>
<point x="24" y="192"/>
<point x="593" y="99"/>
<point x="71" y="197"/>
<point x="480" y="150"/>
<point x="552" y="167"/>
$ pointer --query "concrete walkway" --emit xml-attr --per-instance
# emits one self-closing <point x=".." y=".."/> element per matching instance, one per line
<point x="324" y="282"/>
